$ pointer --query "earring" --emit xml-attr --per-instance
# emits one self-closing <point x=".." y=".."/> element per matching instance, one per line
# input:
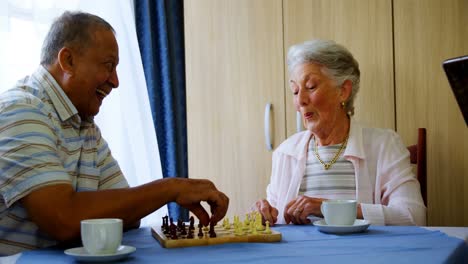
<point x="343" y="105"/>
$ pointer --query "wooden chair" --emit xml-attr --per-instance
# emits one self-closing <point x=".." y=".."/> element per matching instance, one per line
<point x="418" y="157"/>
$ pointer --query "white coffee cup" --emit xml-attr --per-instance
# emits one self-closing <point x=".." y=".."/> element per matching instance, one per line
<point x="339" y="212"/>
<point x="101" y="236"/>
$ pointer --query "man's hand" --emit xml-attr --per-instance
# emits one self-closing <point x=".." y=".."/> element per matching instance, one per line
<point x="192" y="192"/>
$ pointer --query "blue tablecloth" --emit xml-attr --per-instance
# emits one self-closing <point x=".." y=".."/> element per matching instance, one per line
<point x="300" y="244"/>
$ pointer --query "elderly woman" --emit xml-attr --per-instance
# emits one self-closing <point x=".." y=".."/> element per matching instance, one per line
<point x="336" y="157"/>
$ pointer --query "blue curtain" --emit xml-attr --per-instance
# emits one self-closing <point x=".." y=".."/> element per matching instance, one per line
<point x="160" y="31"/>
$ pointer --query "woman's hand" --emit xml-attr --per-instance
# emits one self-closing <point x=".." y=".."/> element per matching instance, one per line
<point x="297" y="210"/>
<point x="269" y="213"/>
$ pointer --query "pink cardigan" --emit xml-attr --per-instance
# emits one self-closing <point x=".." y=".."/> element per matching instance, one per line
<point x="386" y="187"/>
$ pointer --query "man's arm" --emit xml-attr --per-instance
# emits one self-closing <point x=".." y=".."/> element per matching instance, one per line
<point x="58" y="209"/>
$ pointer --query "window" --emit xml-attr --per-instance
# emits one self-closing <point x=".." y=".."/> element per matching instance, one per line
<point x="125" y="117"/>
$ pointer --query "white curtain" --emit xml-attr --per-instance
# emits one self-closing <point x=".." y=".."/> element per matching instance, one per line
<point x="125" y="116"/>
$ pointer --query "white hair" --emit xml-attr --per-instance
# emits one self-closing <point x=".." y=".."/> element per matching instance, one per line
<point x="336" y="61"/>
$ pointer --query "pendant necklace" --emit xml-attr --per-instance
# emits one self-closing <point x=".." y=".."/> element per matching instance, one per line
<point x="327" y="165"/>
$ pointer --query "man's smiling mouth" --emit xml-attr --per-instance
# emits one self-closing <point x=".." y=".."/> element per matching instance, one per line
<point x="101" y="92"/>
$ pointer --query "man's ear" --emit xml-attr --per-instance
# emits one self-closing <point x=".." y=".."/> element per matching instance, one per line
<point x="65" y="60"/>
<point x="346" y="89"/>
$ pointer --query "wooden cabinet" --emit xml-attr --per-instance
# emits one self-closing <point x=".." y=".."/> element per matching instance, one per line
<point x="235" y="61"/>
<point x="234" y="67"/>
<point x="365" y="28"/>
<point x="427" y="33"/>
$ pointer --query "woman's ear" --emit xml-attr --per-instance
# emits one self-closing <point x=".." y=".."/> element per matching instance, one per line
<point x="65" y="60"/>
<point x="346" y="89"/>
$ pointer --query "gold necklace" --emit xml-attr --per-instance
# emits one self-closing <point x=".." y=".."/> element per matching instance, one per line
<point x="335" y="158"/>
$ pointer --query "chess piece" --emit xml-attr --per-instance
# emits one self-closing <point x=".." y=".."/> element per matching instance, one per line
<point x="226" y="224"/>
<point x="247" y="220"/>
<point x="172" y="228"/>
<point x="192" y="223"/>
<point x="238" y="230"/>
<point x="171" y="222"/>
<point x="190" y="234"/>
<point x="200" y="230"/>
<point x="174" y="231"/>
<point x="267" y="228"/>
<point x="253" y="229"/>
<point x="179" y="224"/>
<point x="165" y="226"/>
<point x="212" y="231"/>
<point x="183" y="231"/>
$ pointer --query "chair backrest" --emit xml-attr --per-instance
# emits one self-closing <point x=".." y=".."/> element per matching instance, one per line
<point x="418" y="157"/>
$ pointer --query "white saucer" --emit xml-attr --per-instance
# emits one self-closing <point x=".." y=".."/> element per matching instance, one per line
<point x="358" y="226"/>
<point x="81" y="254"/>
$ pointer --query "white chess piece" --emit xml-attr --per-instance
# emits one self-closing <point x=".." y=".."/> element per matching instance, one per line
<point x="267" y="228"/>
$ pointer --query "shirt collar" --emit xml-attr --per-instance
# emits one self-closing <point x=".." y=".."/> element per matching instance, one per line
<point x="355" y="145"/>
<point x="296" y="145"/>
<point x="60" y="100"/>
<point x="299" y="143"/>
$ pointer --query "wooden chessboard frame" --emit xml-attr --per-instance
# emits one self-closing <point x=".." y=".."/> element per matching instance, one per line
<point x="223" y="236"/>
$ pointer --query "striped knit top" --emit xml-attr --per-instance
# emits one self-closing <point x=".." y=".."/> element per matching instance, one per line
<point x="338" y="182"/>
<point x="43" y="141"/>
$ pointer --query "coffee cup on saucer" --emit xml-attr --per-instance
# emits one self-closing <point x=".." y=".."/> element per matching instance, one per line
<point x="339" y="212"/>
<point x="101" y="236"/>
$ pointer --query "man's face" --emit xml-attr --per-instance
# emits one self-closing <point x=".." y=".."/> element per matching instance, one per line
<point x="94" y="73"/>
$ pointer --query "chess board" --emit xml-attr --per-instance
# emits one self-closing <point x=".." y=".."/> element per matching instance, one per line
<point x="222" y="236"/>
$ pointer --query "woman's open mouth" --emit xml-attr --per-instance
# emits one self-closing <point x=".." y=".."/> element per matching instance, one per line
<point x="308" y="115"/>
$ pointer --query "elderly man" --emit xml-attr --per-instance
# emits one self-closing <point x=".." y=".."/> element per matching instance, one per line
<point x="56" y="169"/>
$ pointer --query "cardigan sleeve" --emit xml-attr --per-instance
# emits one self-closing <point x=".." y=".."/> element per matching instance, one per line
<point x="397" y="188"/>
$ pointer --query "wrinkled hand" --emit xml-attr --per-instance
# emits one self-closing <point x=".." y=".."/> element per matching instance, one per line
<point x="193" y="192"/>
<point x="269" y="213"/>
<point x="297" y="210"/>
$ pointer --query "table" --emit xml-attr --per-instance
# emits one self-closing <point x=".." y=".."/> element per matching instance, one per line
<point x="460" y="232"/>
<point x="300" y="244"/>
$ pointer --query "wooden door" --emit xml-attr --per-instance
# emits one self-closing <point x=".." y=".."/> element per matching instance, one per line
<point x="234" y="67"/>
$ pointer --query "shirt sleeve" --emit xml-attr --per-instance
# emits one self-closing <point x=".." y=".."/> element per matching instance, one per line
<point x="28" y="151"/>
<point x="272" y="188"/>
<point x="400" y="194"/>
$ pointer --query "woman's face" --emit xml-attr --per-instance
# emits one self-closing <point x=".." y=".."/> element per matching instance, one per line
<point x="317" y="98"/>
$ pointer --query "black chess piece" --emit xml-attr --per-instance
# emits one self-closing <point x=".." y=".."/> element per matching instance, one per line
<point x="192" y="223"/>
<point x="212" y="231"/>
<point x="165" y="225"/>
<point x="190" y="234"/>
<point x="179" y="224"/>
<point x="183" y="231"/>
<point x="200" y="230"/>
<point x="173" y="232"/>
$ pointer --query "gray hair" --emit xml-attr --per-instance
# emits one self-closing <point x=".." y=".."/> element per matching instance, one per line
<point x="71" y="29"/>
<point x="338" y="63"/>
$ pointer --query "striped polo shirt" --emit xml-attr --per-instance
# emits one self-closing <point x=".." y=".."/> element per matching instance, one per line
<point x="43" y="141"/>
<point x="338" y="182"/>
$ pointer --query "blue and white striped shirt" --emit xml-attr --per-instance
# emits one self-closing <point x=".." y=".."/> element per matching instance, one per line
<point x="43" y="141"/>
